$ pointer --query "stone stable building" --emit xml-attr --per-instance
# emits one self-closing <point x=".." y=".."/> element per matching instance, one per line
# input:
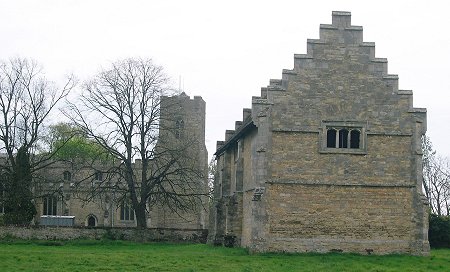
<point x="327" y="159"/>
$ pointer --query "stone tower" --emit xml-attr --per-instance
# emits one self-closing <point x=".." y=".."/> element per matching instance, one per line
<point x="183" y="123"/>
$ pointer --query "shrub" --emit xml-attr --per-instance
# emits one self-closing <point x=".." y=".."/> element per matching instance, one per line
<point x="229" y="240"/>
<point x="8" y="237"/>
<point x="439" y="231"/>
<point x="112" y="235"/>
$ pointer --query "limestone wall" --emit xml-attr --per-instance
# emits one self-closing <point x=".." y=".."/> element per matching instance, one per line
<point x="319" y="191"/>
<point x="296" y="159"/>
<point x="343" y="218"/>
<point x="130" y="234"/>
<point x="322" y="198"/>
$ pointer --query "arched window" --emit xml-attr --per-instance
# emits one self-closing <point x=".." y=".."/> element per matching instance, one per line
<point x="91" y="221"/>
<point x="126" y="212"/>
<point x="50" y="204"/>
<point x="354" y="138"/>
<point x="179" y="127"/>
<point x="331" y="138"/>
<point x="67" y="176"/>
<point x="343" y="138"/>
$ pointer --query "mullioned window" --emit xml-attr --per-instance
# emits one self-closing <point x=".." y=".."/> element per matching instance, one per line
<point x="343" y="137"/>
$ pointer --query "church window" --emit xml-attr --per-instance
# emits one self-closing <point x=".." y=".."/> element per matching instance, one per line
<point x="98" y="176"/>
<point x="50" y="203"/>
<point x="179" y="127"/>
<point x="67" y="176"/>
<point x="126" y="212"/>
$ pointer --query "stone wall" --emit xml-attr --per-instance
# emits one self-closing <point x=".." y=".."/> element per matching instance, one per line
<point x="326" y="218"/>
<point x="129" y="234"/>
<point x="335" y="159"/>
<point x="387" y="162"/>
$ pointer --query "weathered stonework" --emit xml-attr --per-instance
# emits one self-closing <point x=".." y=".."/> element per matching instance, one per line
<point x="328" y="159"/>
<point x="104" y="210"/>
<point x="128" y="234"/>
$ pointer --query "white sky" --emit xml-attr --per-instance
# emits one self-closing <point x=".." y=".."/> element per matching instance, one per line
<point x="225" y="51"/>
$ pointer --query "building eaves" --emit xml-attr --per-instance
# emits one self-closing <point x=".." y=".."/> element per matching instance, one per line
<point x="247" y="125"/>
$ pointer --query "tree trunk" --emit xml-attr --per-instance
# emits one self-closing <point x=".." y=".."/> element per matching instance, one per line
<point x="141" y="216"/>
<point x="448" y="208"/>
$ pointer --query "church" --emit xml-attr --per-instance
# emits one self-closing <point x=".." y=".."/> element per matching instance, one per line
<point x="67" y="188"/>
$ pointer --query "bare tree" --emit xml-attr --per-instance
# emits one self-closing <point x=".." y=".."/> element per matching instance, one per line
<point x="436" y="176"/>
<point x="26" y="100"/>
<point x="212" y="172"/>
<point x="120" y="110"/>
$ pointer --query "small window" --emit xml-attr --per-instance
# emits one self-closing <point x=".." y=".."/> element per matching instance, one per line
<point x="331" y="138"/>
<point x="354" y="138"/>
<point x="98" y="176"/>
<point x="179" y="127"/>
<point x="50" y="203"/>
<point x="343" y="137"/>
<point x="67" y="176"/>
<point x="126" y="212"/>
<point x="238" y="149"/>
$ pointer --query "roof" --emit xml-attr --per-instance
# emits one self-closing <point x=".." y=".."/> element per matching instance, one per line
<point x="246" y="126"/>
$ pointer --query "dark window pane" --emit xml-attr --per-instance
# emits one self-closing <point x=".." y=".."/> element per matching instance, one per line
<point x="127" y="213"/>
<point x="98" y="176"/>
<point x="331" y="138"/>
<point x="45" y="211"/>
<point x="49" y="206"/>
<point x="67" y="176"/>
<point x="343" y="138"/>
<point x="354" y="139"/>
<point x="53" y="205"/>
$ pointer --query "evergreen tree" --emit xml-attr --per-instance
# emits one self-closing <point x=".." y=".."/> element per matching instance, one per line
<point x="19" y="207"/>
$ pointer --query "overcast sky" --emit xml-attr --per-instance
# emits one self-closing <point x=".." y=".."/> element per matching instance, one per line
<point x="225" y="51"/>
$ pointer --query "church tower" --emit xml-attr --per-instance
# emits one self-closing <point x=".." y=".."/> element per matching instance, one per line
<point x="182" y="127"/>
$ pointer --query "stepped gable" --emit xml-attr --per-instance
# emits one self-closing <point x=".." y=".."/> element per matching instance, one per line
<point x="327" y="159"/>
<point x="323" y="57"/>
<point x="351" y="37"/>
<point x="239" y="128"/>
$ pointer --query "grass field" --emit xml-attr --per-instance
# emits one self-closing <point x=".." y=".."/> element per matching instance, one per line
<point x="127" y="256"/>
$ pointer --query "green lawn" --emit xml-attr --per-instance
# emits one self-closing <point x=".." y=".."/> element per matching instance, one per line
<point x="126" y="256"/>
